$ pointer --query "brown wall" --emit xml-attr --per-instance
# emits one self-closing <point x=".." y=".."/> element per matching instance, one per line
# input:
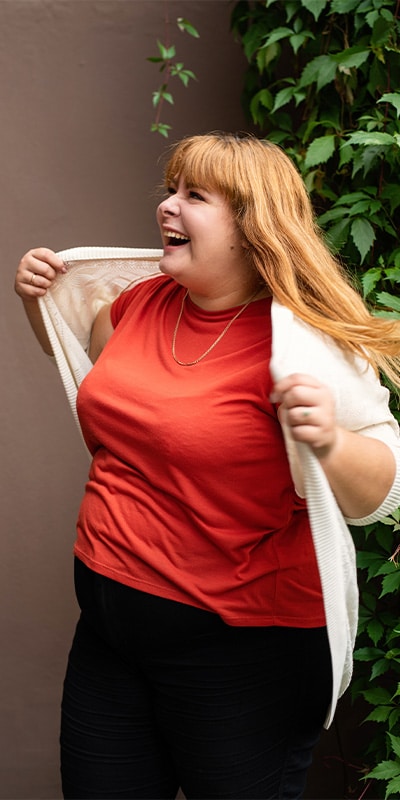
<point x="78" y="166"/>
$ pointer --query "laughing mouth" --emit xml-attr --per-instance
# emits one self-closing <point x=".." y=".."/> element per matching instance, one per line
<point x="175" y="239"/>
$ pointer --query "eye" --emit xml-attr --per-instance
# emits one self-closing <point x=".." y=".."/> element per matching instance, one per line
<point x="195" y="195"/>
<point x="170" y="190"/>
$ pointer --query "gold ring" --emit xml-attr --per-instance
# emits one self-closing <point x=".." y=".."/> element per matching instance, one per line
<point x="31" y="280"/>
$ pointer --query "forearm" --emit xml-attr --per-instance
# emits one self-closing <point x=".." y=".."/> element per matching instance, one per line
<point x="35" y="274"/>
<point x="360" y="471"/>
<point x="32" y="310"/>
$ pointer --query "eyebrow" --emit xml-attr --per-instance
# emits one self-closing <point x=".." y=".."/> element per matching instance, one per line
<point x="190" y="185"/>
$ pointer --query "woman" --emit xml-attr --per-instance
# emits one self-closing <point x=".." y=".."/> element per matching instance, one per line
<point x="235" y="421"/>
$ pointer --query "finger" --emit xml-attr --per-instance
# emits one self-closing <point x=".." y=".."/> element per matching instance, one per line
<point x="295" y="379"/>
<point x="305" y="413"/>
<point x="295" y="389"/>
<point x="302" y="399"/>
<point x="47" y="256"/>
<point x="44" y="262"/>
<point x="302" y="416"/>
<point x="38" y="281"/>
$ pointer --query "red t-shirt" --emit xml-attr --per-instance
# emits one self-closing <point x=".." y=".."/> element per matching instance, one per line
<point x="189" y="495"/>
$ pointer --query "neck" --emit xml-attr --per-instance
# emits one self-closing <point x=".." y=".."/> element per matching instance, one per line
<point x="230" y="299"/>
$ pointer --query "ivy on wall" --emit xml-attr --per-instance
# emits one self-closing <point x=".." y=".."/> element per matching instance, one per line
<point x="323" y="81"/>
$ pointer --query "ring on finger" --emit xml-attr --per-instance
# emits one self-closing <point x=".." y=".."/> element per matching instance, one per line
<point x="31" y="280"/>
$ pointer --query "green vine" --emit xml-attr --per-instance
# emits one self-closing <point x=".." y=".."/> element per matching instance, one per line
<point x="171" y="69"/>
<point x="323" y="81"/>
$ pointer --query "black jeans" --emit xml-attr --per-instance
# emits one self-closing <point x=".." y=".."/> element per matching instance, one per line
<point x="159" y="695"/>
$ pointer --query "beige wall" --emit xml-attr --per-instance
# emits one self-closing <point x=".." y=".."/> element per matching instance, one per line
<point x="78" y="166"/>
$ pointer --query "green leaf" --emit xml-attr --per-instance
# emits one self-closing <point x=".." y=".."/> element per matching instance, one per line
<point x="321" y="70"/>
<point x="346" y="153"/>
<point x="337" y="235"/>
<point x="379" y="668"/>
<point x="390" y="583"/>
<point x="185" y="25"/>
<point x="297" y="40"/>
<point x="344" y="6"/>
<point x="351" y="197"/>
<point x="375" y="631"/>
<point x="395" y="742"/>
<point x="262" y="99"/>
<point x="387" y="299"/>
<point x="166" y="52"/>
<point x="320" y="151"/>
<point x="266" y="55"/>
<point x="253" y="39"/>
<point x="382" y="30"/>
<point x="363" y="236"/>
<point x="160" y="127"/>
<point x="367" y="139"/>
<point x="393" y="98"/>
<point x="397" y="694"/>
<point x="277" y="35"/>
<point x="315" y="7"/>
<point x="379" y="714"/>
<point x="351" y="57"/>
<point x="334" y="213"/>
<point x="377" y="696"/>
<point x="394" y="717"/>
<point x="385" y="770"/>
<point x="393" y="789"/>
<point x="183" y="74"/>
<point x="393" y="654"/>
<point x="283" y="97"/>
<point x="367" y="654"/>
<point x="369" y="280"/>
<point x="162" y="94"/>
<point x="393" y="274"/>
<point x="362" y="208"/>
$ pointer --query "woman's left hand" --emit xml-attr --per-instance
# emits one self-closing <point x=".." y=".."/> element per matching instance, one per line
<point x="307" y="407"/>
<point x="360" y="469"/>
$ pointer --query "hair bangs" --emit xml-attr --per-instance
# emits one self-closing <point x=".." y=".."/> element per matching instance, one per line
<point x="204" y="162"/>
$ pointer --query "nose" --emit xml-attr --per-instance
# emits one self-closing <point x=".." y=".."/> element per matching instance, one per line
<point x="169" y="206"/>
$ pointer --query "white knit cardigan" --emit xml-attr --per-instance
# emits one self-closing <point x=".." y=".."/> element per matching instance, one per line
<point x="96" y="276"/>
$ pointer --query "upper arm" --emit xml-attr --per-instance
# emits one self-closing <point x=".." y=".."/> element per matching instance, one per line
<point x="101" y="331"/>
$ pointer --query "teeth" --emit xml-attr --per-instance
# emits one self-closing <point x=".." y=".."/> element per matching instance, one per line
<point x="174" y="235"/>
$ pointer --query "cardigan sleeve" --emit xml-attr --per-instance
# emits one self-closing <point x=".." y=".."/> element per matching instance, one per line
<point x="361" y="402"/>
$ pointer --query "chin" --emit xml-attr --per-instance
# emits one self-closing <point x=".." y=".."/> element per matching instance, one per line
<point x="167" y="267"/>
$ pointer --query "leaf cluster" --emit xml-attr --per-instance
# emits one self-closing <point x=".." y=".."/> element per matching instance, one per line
<point x="377" y="654"/>
<point x="323" y="81"/>
<point x="171" y="69"/>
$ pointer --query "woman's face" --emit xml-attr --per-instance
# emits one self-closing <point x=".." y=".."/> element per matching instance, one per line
<point x="203" y="247"/>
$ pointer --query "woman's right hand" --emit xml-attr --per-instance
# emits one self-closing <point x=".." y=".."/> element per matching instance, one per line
<point x="36" y="271"/>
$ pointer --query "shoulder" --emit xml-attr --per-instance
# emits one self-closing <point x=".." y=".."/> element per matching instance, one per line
<point x="140" y="292"/>
<point x="297" y="344"/>
<point x="360" y="399"/>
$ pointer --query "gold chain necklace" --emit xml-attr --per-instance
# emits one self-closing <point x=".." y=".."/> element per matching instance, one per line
<point x="218" y="339"/>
